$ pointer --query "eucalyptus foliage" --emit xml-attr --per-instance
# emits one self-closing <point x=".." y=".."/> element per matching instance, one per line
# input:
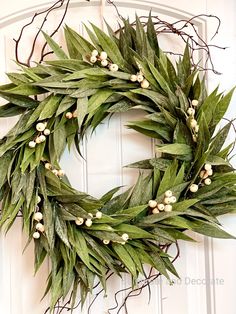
<point x="78" y="254"/>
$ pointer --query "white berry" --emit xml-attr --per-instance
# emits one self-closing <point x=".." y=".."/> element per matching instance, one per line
<point x="155" y="211"/>
<point x="125" y="236"/>
<point x="95" y="53"/>
<point x="133" y="78"/>
<point x="191" y="111"/>
<point x="168" y="193"/>
<point x="207" y="167"/>
<point x="69" y="115"/>
<point x="194" y="102"/>
<point x="203" y="174"/>
<point x="140" y="78"/>
<point x="152" y="203"/>
<point x="104" y="63"/>
<point x="194" y="138"/>
<point x="75" y="114"/>
<point x="40" y="126"/>
<point x="173" y="199"/>
<point x="40" y="227"/>
<point x="32" y="144"/>
<point x="88" y="222"/>
<point x="46" y="132"/>
<point x="103" y="55"/>
<point x="193" y="188"/>
<point x="196" y="129"/>
<point x="79" y="221"/>
<point x="42" y="138"/>
<point x="144" y="84"/>
<point x="38" y="140"/>
<point x="168" y="208"/>
<point x="167" y="200"/>
<point x="207" y="181"/>
<point x="210" y="172"/>
<point x="193" y="123"/>
<point x="36" y="235"/>
<point x="113" y="67"/>
<point x="61" y="173"/>
<point x="38" y="216"/>
<point x="98" y="215"/>
<point x="161" y="207"/>
<point x="106" y="241"/>
<point x="93" y="59"/>
<point x="54" y="171"/>
<point x="48" y="166"/>
<point x="38" y="199"/>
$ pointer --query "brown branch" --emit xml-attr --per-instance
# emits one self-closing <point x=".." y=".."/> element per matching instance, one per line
<point x="183" y="28"/>
<point x="46" y="13"/>
<point x="43" y="54"/>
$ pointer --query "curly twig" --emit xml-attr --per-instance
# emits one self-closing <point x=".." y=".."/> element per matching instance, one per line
<point x="184" y="28"/>
<point x="46" y="13"/>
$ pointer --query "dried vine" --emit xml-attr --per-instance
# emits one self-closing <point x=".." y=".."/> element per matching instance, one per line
<point x="185" y="29"/>
<point x="131" y="292"/>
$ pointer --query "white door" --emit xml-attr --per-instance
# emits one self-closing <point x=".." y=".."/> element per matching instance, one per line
<point x="207" y="268"/>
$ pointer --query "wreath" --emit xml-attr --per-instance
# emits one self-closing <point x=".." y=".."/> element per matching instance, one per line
<point x="184" y="187"/>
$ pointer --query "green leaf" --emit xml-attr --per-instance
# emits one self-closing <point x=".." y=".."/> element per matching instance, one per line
<point x="108" y="196"/>
<point x="221" y="107"/>
<point x="10" y="110"/>
<point x="151" y="219"/>
<point x="61" y="230"/>
<point x="59" y="138"/>
<point x="160" y="79"/>
<point x="134" y="232"/>
<point x="50" y="107"/>
<point x="4" y="165"/>
<point x="151" y="35"/>
<point x="208" y="106"/>
<point x="161" y="131"/>
<point x="175" y="149"/>
<point x="55" y="47"/>
<point x="96" y="100"/>
<point x="80" y="44"/>
<point x="131" y="212"/>
<point x="219" y="139"/>
<point x="168" y="178"/>
<point x="125" y="258"/>
<point x="184" y="205"/>
<point x="81" y="246"/>
<point x="49" y="223"/>
<point x="56" y="289"/>
<point x="82" y="109"/>
<point x="19" y="100"/>
<point x="209" y="229"/>
<point x="110" y="47"/>
<point x="65" y="104"/>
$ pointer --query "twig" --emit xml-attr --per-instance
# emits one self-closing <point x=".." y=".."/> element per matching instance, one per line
<point x="46" y="12"/>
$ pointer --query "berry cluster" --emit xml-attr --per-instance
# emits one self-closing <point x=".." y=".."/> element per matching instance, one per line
<point x="41" y="137"/>
<point x="165" y="205"/>
<point x="102" y="58"/>
<point x="38" y="217"/>
<point x="204" y="175"/>
<point x="69" y="115"/>
<point x="88" y="222"/>
<point x="139" y="77"/>
<point x="191" y="119"/>
<point x="57" y="172"/>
